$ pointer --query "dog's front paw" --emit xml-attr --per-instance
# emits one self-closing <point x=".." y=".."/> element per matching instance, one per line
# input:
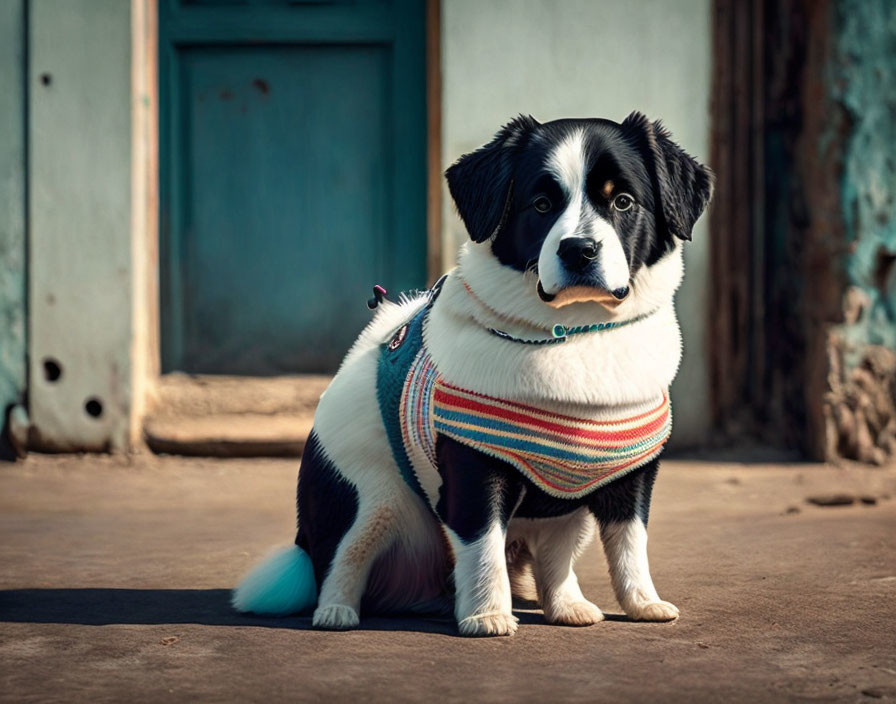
<point x="573" y="613"/>
<point x="491" y="624"/>
<point x="653" y="611"/>
<point x="335" y="617"/>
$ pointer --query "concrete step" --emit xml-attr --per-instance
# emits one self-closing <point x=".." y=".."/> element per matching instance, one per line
<point x="226" y="416"/>
<point x="229" y="435"/>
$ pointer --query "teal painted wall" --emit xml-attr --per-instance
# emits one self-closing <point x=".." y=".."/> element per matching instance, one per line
<point x="12" y="204"/>
<point x="862" y="80"/>
<point x="828" y="367"/>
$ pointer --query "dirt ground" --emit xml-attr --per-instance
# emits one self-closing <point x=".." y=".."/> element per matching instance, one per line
<point x="114" y="578"/>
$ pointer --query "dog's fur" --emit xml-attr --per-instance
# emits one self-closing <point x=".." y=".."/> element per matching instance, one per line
<point x="572" y="222"/>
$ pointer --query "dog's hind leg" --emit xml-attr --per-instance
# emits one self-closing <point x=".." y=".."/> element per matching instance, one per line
<point x="339" y="602"/>
<point x="555" y="544"/>
<point x="344" y="531"/>
<point x="519" y="568"/>
<point x="353" y="439"/>
<point x="621" y="510"/>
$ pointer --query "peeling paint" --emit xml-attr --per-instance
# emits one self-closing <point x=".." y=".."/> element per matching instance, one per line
<point x="860" y="404"/>
<point x="862" y="79"/>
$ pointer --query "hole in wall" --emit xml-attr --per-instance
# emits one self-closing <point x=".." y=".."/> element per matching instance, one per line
<point x="46" y="79"/>
<point x="94" y="407"/>
<point x="52" y="369"/>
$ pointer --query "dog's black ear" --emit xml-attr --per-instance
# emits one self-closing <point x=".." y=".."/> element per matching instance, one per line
<point x="684" y="185"/>
<point x="481" y="182"/>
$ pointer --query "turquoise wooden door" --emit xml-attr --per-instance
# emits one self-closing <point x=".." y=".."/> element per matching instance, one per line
<point x="292" y="177"/>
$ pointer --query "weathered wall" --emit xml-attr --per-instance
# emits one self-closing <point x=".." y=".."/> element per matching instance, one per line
<point x="80" y="267"/>
<point x="583" y="58"/>
<point x="830" y="163"/>
<point x="12" y="207"/>
<point x="861" y="81"/>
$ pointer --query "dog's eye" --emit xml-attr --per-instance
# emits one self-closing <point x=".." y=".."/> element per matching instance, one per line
<point x="542" y="204"/>
<point x="623" y="202"/>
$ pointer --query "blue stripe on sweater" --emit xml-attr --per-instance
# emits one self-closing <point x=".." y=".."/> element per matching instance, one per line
<point x="444" y="422"/>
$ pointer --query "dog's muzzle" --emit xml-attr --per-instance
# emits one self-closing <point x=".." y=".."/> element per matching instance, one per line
<point x="578" y="255"/>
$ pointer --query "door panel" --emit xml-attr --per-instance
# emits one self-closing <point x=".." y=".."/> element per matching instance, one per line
<point x="295" y="179"/>
<point x="287" y="231"/>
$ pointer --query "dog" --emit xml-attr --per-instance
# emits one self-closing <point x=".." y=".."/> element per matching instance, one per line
<point x="478" y="435"/>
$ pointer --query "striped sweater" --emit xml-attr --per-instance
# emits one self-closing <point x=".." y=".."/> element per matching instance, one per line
<point x="565" y="456"/>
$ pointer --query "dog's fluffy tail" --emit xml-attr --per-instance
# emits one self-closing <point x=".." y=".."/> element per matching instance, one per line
<point x="283" y="583"/>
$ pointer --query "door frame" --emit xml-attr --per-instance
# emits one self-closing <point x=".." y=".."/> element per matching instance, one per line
<point x="145" y="225"/>
<point x="736" y="306"/>
<point x="777" y="275"/>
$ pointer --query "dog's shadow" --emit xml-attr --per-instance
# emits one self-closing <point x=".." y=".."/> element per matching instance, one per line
<point x="208" y="607"/>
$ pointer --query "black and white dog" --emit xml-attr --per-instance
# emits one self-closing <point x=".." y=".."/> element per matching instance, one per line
<point x="475" y="435"/>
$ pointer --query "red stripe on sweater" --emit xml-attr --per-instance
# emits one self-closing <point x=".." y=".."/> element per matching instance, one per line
<point x="461" y="402"/>
<point x="579" y="487"/>
<point x="532" y="409"/>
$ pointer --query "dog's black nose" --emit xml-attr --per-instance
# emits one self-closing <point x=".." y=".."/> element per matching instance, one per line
<point x="620" y="293"/>
<point x="577" y="253"/>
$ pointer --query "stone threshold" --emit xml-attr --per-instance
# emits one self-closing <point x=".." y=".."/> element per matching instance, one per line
<point x="233" y="416"/>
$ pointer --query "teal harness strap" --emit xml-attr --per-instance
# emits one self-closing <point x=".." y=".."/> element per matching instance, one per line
<point x="396" y="357"/>
<point x="395" y="361"/>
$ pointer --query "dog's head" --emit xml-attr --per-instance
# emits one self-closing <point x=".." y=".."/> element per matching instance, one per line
<point x="584" y="203"/>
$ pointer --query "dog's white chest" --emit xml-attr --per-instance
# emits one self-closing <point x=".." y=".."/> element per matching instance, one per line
<point x="626" y="365"/>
